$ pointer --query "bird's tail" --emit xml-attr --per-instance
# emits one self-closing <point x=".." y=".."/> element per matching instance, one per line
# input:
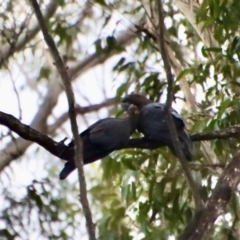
<point x="91" y="154"/>
<point x="185" y="144"/>
<point x="68" y="168"/>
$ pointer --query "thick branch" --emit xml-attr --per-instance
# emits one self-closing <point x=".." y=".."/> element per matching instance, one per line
<point x="62" y="151"/>
<point x="172" y="129"/>
<point x="30" y="134"/>
<point x="72" y="115"/>
<point x="203" y="221"/>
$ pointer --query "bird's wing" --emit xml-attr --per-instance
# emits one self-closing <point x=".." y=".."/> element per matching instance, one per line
<point x="109" y="133"/>
<point x="153" y="122"/>
<point x="157" y="112"/>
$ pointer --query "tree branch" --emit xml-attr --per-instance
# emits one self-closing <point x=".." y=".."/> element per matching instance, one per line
<point x="124" y="39"/>
<point x="30" y="134"/>
<point x="72" y="115"/>
<point x="25" y="37"/>
<point x="80" y="110"/>
<point x="203" y="221"/>
<point x="14" y="150"/>
<point x="172" y="129"/>
<point x="150" y="32"/>
<point x="227" y="183"/>
<point x="62" y="151"/>
<point x="233" y="132"/>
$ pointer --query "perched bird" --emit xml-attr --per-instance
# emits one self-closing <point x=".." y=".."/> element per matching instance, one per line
<point x="153" y="124"/>
<point x="103" y="137"/>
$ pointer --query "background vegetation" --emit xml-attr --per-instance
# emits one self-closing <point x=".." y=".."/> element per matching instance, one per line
<point x="111" y="48"/>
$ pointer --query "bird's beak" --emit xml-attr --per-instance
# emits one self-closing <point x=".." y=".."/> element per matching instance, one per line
<point x="125" y="106"/>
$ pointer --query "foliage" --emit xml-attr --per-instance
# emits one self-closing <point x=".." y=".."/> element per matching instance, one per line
<point x="134" y="194"/>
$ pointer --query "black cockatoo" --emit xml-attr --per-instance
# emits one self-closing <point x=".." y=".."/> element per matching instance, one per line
<point x="153" y="124"/>
<point x="103" y="137"/>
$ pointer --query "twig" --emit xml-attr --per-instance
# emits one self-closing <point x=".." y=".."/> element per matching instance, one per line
<point x="203" y="221"/>
<point x="161" y="42"/>
<point x="196" y="167"/>
<point x="25" y="37"/>
<point x="72" y="115"/>
<point x="80" y="110"/>
<point x="233" y="131"/>
<point x="17" y="96"/>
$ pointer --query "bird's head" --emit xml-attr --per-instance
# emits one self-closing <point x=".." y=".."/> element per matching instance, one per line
<point x="135" y="99"/>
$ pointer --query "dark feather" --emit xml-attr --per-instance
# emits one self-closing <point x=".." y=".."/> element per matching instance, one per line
<point x="153" y="123"/>
<point x="103" y="137"/>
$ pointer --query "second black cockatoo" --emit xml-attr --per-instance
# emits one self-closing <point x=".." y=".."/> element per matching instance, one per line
<point x="103" y="137"/>
<point x="153" y="124"/>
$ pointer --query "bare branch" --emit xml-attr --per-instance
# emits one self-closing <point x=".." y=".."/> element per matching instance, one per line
<point x="25" y="37"/>
<point x="203" y="221"/>
<point x="72" y="115"/>
<point x="30" y="134"/>
<point x="233" y="131"/>
<point x="161" y="42"/>
<point x="62" y="151"/>
<point x="81" y="110"/>
<point x="124" y="39"/>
